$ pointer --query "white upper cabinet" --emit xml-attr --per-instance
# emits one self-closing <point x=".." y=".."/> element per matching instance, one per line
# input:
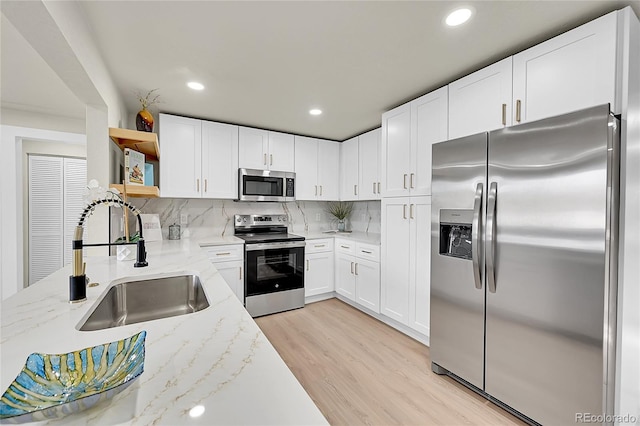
<point x="569" y="72"/>
<point x="180" y="141"/>
<point x="198" y="159"/>
<point x="317" y="168"/>
<point x="481" y="101"/>
<point x="265" y="150"/>
<point x="306" y="152"/>
<point x="408" y="132"/>
<point x="360" y="167"/>
<point x="252" y="148"/>
<point x="219" y="160"/>
<point x="349" y="189"/>
<point x="369" y="165"/>
<point x="428" y="126"/>
<point x="396" y="151"/>
<point x="328" y="170"/>
<point x="281" y="152"/>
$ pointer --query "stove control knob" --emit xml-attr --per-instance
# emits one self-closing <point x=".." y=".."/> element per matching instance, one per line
<point x="244" y="219"/>
<point x="281" y="218"/>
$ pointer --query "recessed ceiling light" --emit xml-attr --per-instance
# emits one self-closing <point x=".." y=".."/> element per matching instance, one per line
<point x="458" y="17"/>
<point x="315" y="111"/>
<point x="195" y="85"/>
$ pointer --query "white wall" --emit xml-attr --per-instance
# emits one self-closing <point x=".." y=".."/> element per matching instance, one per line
<point x="628" y="344"/>
<point x="11" y="254"/>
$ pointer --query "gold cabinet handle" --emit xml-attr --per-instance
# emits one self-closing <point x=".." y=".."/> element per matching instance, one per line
<point x="378" y="187"/>
<point x="271" y="159"/>
<point x="356" y="269"/>
<point x="225" y="253"/>
<point x="365" y="251"/>
<point x="355" y="189"/>
<point x="321" y="190"/>
<point x="411" y="211"/>
<point x="316" y="189"/>
<point x="307" y="264"/>
<point x="205" y="185"/>
<point x="504" y="114"/>
<point x="411" y="180"/>
<point x="197" y="185"/>
<point x="404" y="181"/>
<point x="352" y="267"/>
<point x="240" y="269"/>
<point x="404" y="211"/>
<point x="264" y="161"/>
<point x="518" y="110"/>
<point x="345" y="247"/>
<point x="319" y="245"/>
<point x="374" y="187"/>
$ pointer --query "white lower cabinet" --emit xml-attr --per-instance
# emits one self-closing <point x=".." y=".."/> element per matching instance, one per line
<point x="318" y="274"/>
<point x="367" y="274"/>
<point x="229" y="261"/>
<point x="358" y="273"/>
<point x="405" y="255"/>
<point x="233" y="274"/>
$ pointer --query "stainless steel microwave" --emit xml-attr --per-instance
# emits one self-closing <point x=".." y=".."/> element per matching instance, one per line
<point x="265" y="185"/>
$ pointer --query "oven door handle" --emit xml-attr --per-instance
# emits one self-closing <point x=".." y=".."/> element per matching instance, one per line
<point x="270" y="246"/>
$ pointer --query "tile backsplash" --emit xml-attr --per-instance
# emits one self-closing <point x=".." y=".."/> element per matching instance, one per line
<point x="207" y="218"/>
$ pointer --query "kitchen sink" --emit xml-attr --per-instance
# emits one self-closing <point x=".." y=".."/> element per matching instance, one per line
<point x="132" y="301"/>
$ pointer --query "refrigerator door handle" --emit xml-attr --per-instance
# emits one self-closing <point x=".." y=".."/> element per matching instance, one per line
<point x="476" y="247"/>
<point x="491" y="236"/>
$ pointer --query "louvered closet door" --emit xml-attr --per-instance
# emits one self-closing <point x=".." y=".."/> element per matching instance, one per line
<point x="56" y="191"/>
<point x="74" y="184"/>
<point x="45" y="216"/>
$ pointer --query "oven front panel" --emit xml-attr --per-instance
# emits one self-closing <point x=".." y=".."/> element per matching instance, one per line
<point x="273" y="270"/>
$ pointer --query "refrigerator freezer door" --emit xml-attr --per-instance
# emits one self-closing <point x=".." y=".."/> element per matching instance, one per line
<point x="457" y="293"/>
<point x="544" y="322"/>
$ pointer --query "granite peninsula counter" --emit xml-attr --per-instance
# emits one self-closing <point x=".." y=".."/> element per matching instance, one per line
<point x="217" y="358"/>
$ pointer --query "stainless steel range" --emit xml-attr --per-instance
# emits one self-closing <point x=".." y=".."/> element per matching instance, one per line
<point x="274" y="264"/>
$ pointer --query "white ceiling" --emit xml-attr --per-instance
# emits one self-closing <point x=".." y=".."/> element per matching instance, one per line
<point x="265" y="64"/>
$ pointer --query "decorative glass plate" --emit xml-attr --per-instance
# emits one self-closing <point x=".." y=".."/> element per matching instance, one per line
<point x="51" y="386"/>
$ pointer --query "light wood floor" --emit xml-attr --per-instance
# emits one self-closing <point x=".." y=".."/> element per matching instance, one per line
<point x="360" y="371"/>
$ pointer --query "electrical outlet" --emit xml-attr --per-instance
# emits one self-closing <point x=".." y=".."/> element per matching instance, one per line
<point x="184" y="218"/>
<point x="318" y="217"/>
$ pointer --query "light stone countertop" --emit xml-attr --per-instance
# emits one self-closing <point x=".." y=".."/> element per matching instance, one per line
<point x="363" y="237"/>
<point x="217" y="358"/>
<point x="212" y="241"/>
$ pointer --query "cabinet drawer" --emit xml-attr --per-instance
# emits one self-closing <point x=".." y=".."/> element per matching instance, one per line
<point x="225" y="253"/>
<point x="345" y="246"/>
<point x="318" y="246"/>
<point x="368" y="251"/>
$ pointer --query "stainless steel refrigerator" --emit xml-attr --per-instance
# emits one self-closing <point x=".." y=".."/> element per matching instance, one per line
<point x="523" y="264"/>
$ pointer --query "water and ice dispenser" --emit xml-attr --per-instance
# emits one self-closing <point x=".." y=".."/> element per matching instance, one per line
<point x="455" y="233"/>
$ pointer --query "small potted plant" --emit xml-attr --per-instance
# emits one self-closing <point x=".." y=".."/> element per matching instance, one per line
<point x="341" y="210"/>
<point x="144" y="119"/>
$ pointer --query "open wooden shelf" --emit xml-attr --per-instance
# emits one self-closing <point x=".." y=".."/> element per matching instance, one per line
<point x="144" y="142"/>
<point x="137" y="191"/>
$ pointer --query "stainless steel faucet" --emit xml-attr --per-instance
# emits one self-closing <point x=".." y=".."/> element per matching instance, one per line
<point x="78" y="281"/>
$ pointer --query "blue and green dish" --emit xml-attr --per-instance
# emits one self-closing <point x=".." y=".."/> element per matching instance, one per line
<point x="52" y="386"/>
